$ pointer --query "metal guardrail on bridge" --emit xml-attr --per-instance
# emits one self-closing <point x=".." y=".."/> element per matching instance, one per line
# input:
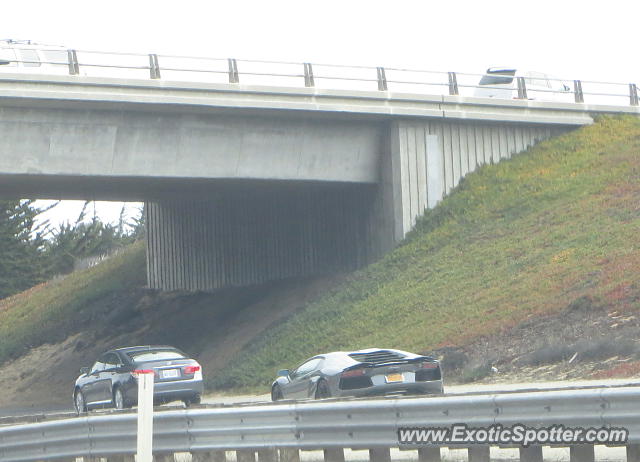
<point x="279" y="431"/>
<point x="278" y="73"/>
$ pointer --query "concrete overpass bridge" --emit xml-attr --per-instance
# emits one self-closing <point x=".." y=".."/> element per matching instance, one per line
<point x="245" y="184"/>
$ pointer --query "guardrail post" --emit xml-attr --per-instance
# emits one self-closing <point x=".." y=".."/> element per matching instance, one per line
<point x="166" y="457"/>
<point x="211" y="456"/>
<point x="582" y="453"/>
<point x="531" y="454"/>
<point x="479" y="454"/>
<point x="245" y="455"/>
<point x="233" y="71"/>
<point x="127" y="458"/>
<point x="380" y="455"/>
<point x="382" y="79"/>
<point x="453" y="83"/>
<point x="429" y="455"/>
<point x="308" y="75"/>
<point x="267" y="455"/>
<point x="577" y="91"/>
<point x="154" y="67"/>
<point x="289" y="455"/>
<point x="522" y="88"/>
<point x="633" y="94"/>
<point x="72" y="58"/>
<point x="633" y="453"/>
<point x="334" y="455"/>
<point x="145" y="415"/>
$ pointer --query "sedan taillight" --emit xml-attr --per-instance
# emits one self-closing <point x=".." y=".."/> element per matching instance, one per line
<point x="353" y="373"/>
<point x="189" y="370"/>
<point x="144" y="371"/>
<point x="138" y="372"/>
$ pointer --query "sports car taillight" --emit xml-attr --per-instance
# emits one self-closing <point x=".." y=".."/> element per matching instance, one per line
<point x="429" y="365"/>
<point x="191" y="369"/>
<point x="353" y="373"/>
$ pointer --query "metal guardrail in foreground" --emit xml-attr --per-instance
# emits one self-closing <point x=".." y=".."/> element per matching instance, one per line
<point x="281" y="430"/>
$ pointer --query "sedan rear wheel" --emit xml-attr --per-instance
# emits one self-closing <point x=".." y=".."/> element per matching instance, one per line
<point x="118" y="399"/>
<point x="79" y="402"/>
<point x="196" y="399"/>
<point x="322" y="390"/>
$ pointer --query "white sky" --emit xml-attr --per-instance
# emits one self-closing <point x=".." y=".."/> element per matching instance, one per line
<point x="570" y="39"/>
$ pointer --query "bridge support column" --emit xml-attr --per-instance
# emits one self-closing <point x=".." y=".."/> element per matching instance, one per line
<point x="411" y="180"/>
<point x="424" y="161"/>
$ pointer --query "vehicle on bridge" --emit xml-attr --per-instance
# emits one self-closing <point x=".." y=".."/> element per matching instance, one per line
<point x="25" y="56"/>
<point x="367" y="372"/>
<point x="112" y="381"/>
<point x="502" y="82"/>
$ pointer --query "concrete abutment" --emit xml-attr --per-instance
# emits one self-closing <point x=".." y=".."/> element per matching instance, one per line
<point x="247" y="233"/>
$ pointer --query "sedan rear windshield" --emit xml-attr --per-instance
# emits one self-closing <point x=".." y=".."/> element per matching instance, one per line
<point x="155" y="355"/>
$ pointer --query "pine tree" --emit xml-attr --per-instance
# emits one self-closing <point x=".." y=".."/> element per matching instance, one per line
<point x="21" y="247"/>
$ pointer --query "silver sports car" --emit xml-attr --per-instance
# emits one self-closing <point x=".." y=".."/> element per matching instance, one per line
<point x="359" y="373"/>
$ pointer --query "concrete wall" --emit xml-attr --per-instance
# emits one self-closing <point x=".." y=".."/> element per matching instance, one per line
<point x="427" y="159"/>
<point x="252" y="234"/>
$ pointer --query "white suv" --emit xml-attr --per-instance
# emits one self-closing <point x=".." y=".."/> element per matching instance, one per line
<point x="27" y="57"/>
<point x="502" y="82"/>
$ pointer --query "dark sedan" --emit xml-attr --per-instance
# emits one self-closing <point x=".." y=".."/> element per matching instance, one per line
<point x="359" y="373"/>
<point x="112" y="380"/>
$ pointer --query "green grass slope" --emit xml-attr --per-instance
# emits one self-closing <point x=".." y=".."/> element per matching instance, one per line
<point x="48" y="312"/>
<point x="526" y="237"/>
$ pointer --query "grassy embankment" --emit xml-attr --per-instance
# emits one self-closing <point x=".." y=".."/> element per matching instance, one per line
<point x="526" y="237"/>
<point x="48" y="312"/>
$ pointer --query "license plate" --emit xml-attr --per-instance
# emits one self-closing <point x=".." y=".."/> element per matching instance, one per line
<point x="169" y="373"/>
<point x="392" y="378"/>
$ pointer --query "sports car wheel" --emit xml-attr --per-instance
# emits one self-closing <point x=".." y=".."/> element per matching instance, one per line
<point x="276" y="393"/>
<point x="79" y="403"/>
<point x="322" y="390"/>
<point x="118" y="399"/>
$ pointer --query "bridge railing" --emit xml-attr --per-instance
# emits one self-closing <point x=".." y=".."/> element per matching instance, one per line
<point x="319" y="75"/>
<point x="277" y="432"/>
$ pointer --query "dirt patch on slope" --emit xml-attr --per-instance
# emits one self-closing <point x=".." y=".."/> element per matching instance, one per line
<point x="585" y="340"/>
